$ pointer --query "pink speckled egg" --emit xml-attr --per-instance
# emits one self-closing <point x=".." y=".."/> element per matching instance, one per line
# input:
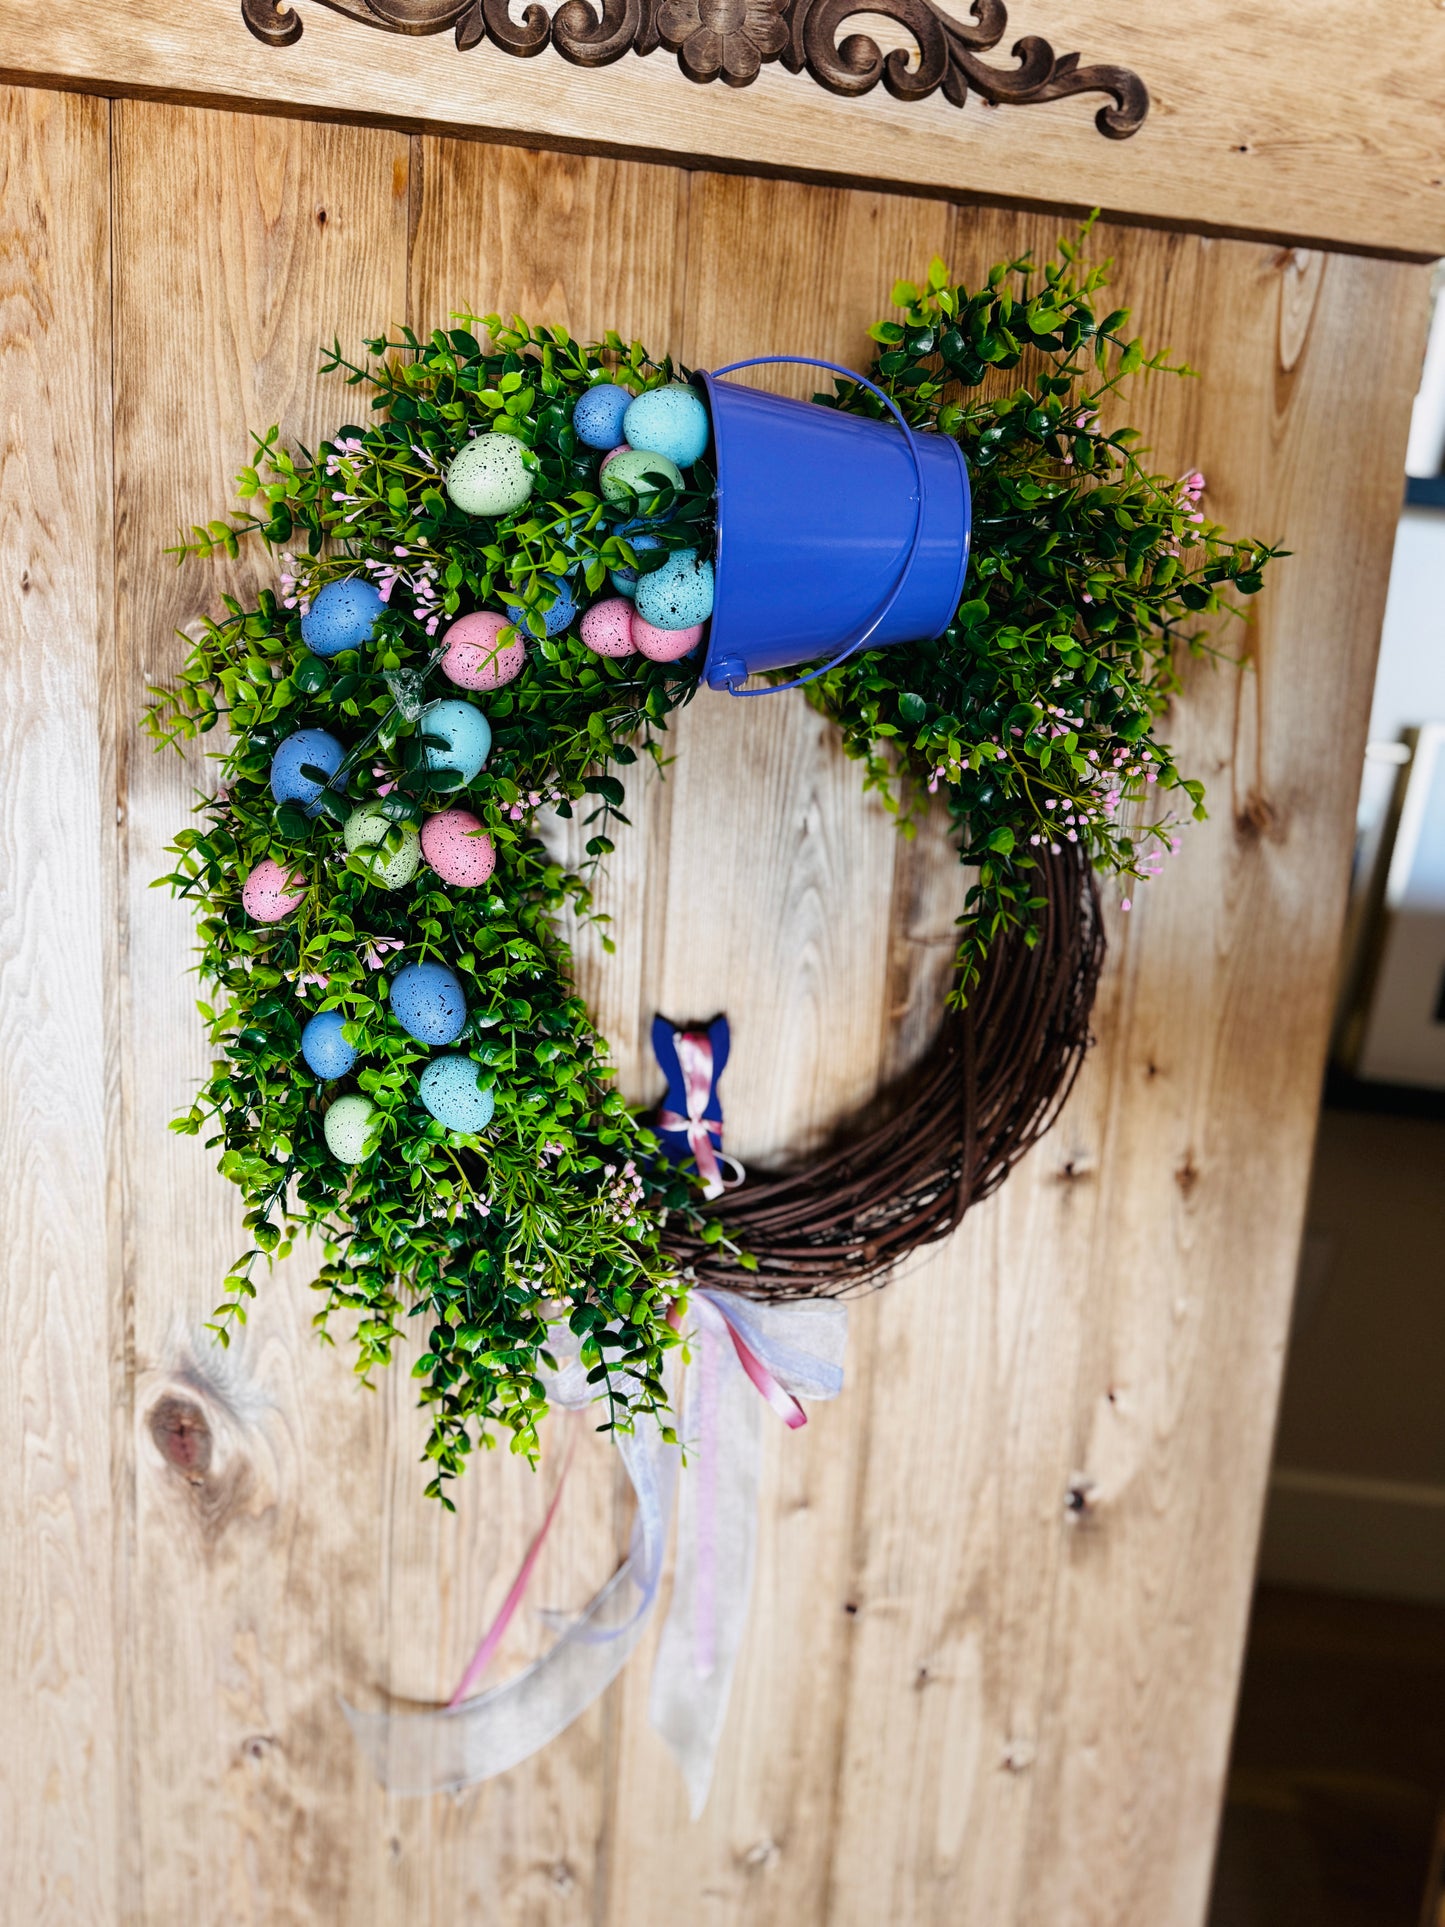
<point x="607" y="627"/>
<point x="622" y="448"/>
<point x="665" y="645"/>
<point x="451" y="845"/>
<point x="473" y="659"/>
<point x="272" y="891"/>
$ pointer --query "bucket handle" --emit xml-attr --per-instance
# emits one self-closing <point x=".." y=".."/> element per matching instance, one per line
<point x="856" y="642"/>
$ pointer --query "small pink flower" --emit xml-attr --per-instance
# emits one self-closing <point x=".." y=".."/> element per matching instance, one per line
<point x="1126" y="905"/>
<point x="384" y="786"/>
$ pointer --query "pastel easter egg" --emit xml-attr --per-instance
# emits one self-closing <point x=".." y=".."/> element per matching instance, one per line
<point x="272" y="891"/>
<point x="489" y="476"/>
<point x="665" y="645"/>
<point x="342" y="616"/>
<point x="305" y="749"/>
<point x="350" y="1128"/>
<point x="560" y="616"/>
<point x="669" y="421"/>
<point x="624" y="580"/>
<point x="427" y="1001"/>
<point x="370" y="826"/>
<point x="458" y="848"/>
<point x="597" y="416"/>
<point x="639" y="470"/>
<point x="463" y="738"/>
<point x="679" y="594"/>
<point x="475" y="659"/>
<point x="448" y="1088"/>
<point x="325" y="1049"/>
<point x="611" y="456"/>
<point x="607" y="627"/>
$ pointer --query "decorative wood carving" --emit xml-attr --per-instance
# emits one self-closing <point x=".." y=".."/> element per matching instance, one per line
<point x="729" y="40"/>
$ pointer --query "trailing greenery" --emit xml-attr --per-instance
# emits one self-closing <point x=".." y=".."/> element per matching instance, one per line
<point x="1034" y="714"/>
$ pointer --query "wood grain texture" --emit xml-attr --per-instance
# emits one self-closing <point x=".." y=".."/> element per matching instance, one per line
<point x="242" y="245"/>
<point x="1002" y="1581"/>
<point x="62" y="1360"/>
<point x="1302" y="120"/>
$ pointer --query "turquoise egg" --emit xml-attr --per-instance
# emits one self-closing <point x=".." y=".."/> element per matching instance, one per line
<point x="350" y="1128"/>
<point x="427" y="1001"/>
<point x="449" y="1091"/>
<point x="465" y="737"/>
<point x="668" y="421"/>
<point x="597" y="417"/>
<point x="638" y="470"/>
<point x="490" y="476"/>
<point x="679" y="594"/>
<point x="305" y="749"/>
<point x="343" y="616"/>
<point x="325" y="1049"/>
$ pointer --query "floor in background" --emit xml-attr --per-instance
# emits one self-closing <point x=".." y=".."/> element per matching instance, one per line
<point x="1337" y="1782"/>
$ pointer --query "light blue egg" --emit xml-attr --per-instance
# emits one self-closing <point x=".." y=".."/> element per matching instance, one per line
<point x="323" y="1046"/>
<point x="449" y="1091"/>
<point x="668" y="421"/>
<point x="427" y="1001"/>
<point x="560" y="616"/>
<point x="311" y="749"/>
<point x="466" y="738"/>
<point x="343" y="616"/>
<point x="624" y="581"/>
<point x="679" y="594"/>
<point x="598" y="414"/>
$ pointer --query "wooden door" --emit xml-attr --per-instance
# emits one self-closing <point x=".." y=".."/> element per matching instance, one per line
<point x="1003" y="1580"/>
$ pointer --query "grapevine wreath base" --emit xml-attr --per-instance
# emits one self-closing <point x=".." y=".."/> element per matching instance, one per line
<point x="985" y="1092"/>
<point x="492" y="595"/>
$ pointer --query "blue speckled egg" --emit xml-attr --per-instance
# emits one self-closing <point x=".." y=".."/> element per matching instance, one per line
<point x="624" y="581"/>
<point x="668" y="421"/>
<point x="312" y="749"/>
<point x="343" y="616"/>
<point x="427" y="1001"/>
<point x="679" y="594"/>
<point x="323" y="1046"/>
<point x="598" y="414"/>
<point x="449" y="1091"/>
<point x="638" y="470"/>
<point x="489" y="476"/>
<point x="465" y="733"/>
<point x="560" y="616"/>
<point x="350" y="1128"/>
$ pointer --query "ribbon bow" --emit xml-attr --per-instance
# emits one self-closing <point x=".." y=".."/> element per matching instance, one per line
<point x="693" y="1061"/>
<point x="741" y="1348"/>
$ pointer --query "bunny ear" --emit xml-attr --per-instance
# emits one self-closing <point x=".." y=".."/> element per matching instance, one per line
<point x="665" y="1051"/>
<point x="720" y="1037"/>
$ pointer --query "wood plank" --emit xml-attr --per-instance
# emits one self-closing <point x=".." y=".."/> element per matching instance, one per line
<point x="62" y="1365"/>
<point x="1042" y="1694"/>
<point x="592" y="245"/>
<point x="242" y="244"/>
<point x="1306" y="120"/>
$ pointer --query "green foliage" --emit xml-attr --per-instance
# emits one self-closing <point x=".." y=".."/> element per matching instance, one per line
<point x="1035" y="714"/>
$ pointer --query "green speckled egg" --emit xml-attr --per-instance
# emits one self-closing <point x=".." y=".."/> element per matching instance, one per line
<point x="350" y="1128"/>
<point x="490" y="476"/>
<point x="367" y="827"/>
<point x="636" y="469"/>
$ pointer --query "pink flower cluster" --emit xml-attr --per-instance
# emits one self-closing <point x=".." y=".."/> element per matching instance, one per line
<point x="376" y="950"/>
<point x="533" y="801"/>
<point x="420" y="579"/>
<point x="295" y="591"/>
<point x="622" y="1198"/>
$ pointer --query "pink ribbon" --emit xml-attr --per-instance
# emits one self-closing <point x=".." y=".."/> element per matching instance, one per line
<point x="495" y="1633"/>
<point x="694" y="1058"/>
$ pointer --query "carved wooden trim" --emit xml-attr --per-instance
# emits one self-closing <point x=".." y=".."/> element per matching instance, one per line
<point x="729" y="40"/>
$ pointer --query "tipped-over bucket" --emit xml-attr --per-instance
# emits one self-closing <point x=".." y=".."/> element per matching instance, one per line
<point x="834" y="533"/>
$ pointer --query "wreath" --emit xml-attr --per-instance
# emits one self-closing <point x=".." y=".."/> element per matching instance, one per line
<point x="490" y="600"/>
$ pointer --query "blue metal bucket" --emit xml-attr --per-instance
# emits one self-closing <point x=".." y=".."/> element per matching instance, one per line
<point x="834" y="533"/>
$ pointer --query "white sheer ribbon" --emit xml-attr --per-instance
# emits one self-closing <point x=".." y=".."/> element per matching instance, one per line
<point x="742" y="1349"/>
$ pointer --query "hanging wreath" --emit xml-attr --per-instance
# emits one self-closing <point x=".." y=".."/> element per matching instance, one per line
<point x="493" y="593"/>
